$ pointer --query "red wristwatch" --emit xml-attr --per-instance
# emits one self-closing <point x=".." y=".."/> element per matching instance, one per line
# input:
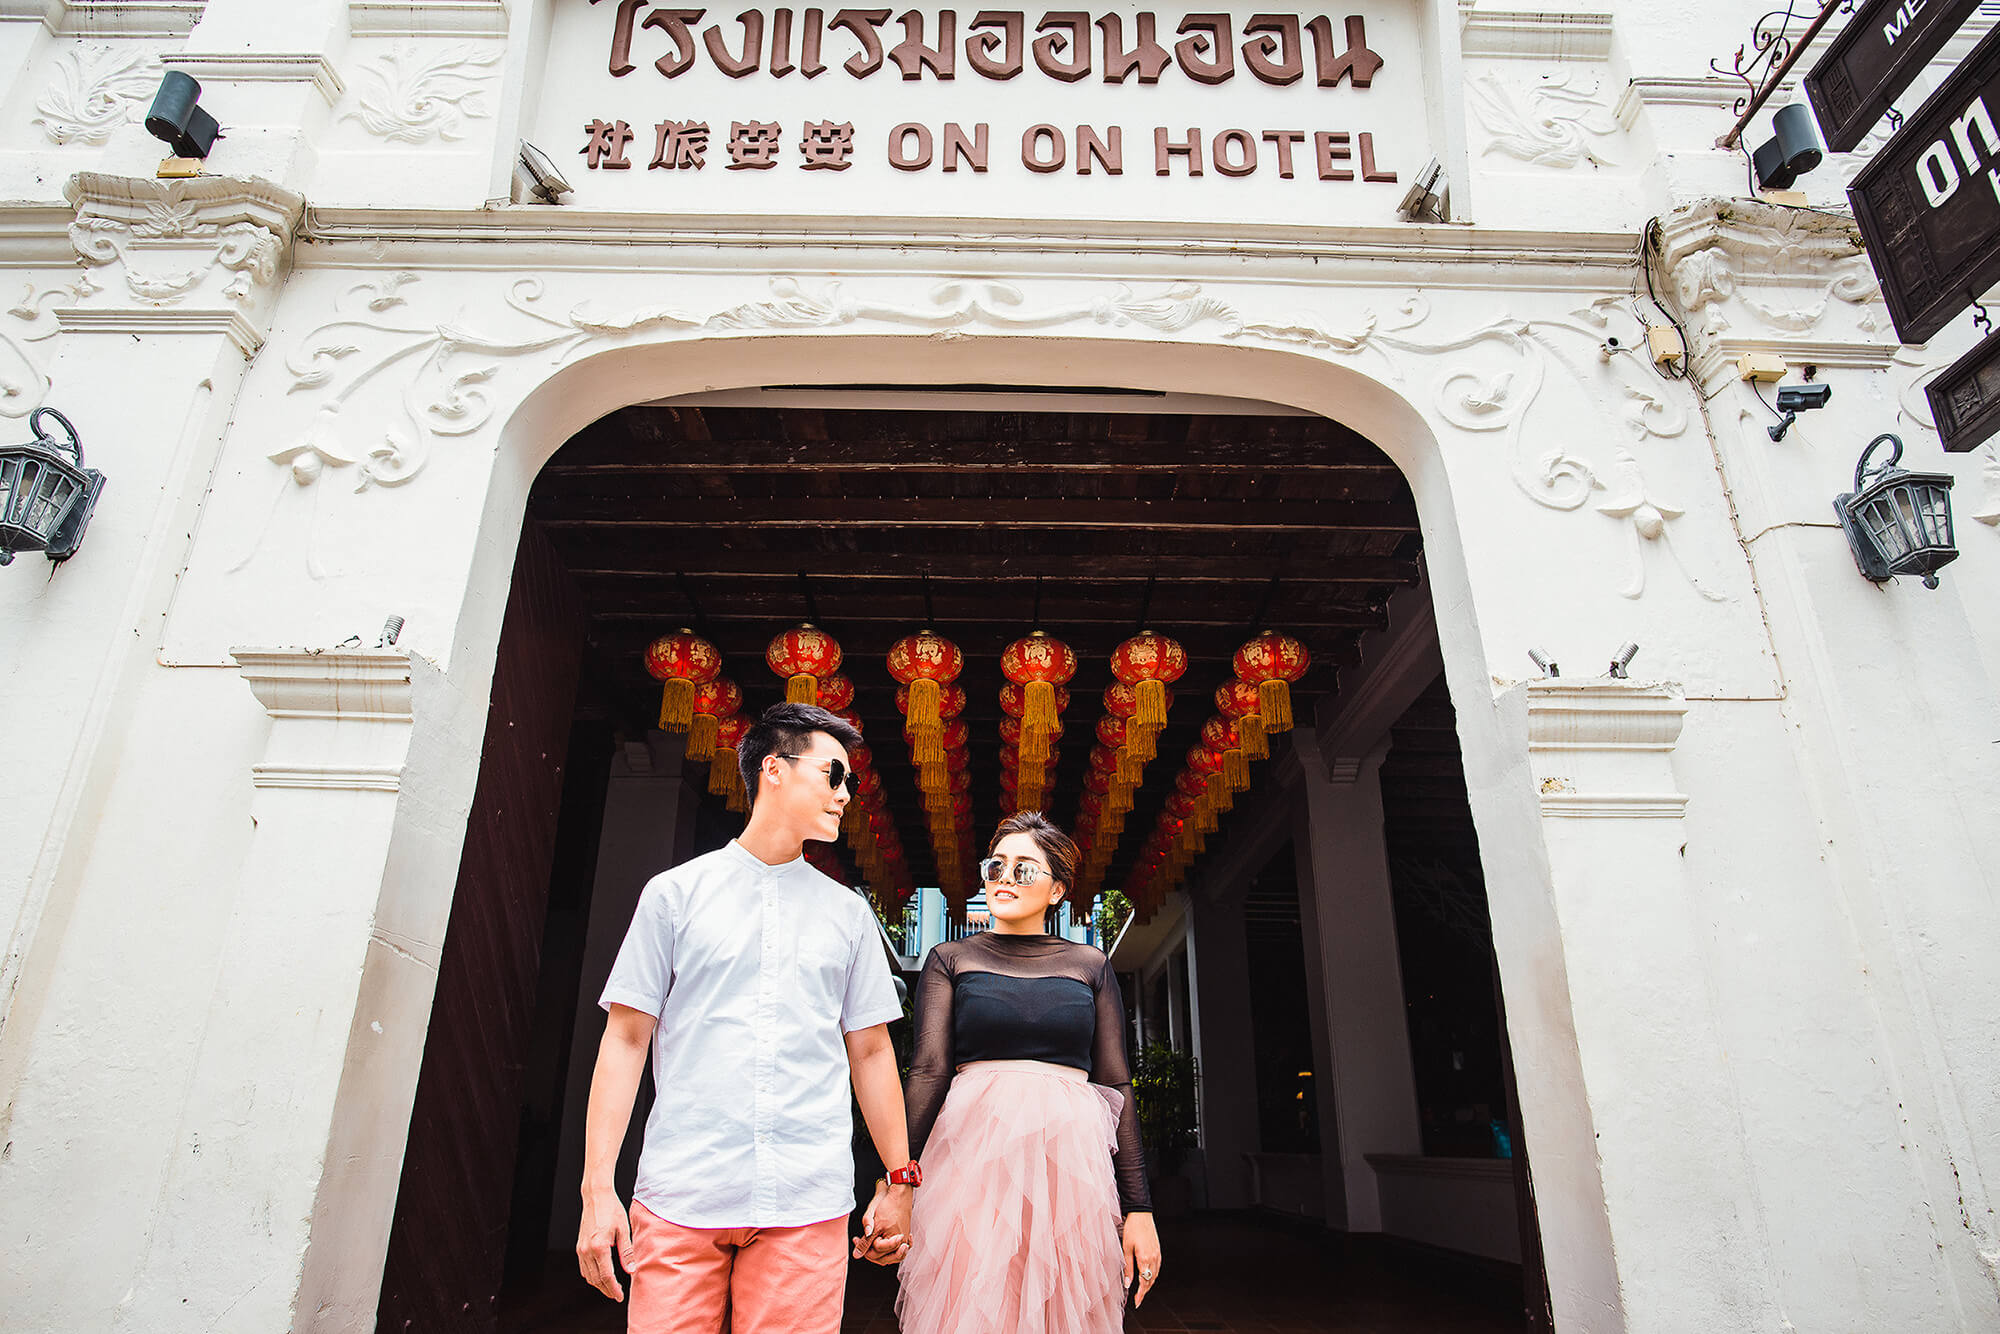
<point x="912" y="1175"/>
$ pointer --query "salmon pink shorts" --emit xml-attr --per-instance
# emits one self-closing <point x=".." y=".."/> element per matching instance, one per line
<point x="746" y="1280"/>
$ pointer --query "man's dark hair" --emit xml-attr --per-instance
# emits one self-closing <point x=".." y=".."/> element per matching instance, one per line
<point x="786" y="729"/>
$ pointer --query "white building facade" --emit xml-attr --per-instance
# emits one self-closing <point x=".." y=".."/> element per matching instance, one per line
<point x="1743" y="902"/>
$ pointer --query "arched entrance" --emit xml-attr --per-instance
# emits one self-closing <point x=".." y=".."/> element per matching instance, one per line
<point x="568" y="400"/>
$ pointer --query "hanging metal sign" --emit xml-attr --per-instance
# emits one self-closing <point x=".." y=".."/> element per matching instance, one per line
<point x="1884" y="46"/>
<point x="1965" y="400"/>
<point x="1929" y="203"/>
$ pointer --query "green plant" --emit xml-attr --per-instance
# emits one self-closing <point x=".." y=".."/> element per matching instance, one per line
<point x="1112" y="910"/>
<point x="1164" y="1083"/>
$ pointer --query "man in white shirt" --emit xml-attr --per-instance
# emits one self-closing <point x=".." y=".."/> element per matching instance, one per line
<point x="761" y="989"/>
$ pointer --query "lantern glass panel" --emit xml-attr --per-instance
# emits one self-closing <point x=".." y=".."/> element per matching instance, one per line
<point x="10" y="476"/>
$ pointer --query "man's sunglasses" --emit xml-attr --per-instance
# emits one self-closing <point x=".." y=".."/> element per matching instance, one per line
<point x="837" y="773"/>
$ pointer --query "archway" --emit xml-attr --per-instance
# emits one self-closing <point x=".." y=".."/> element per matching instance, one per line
<point x="573" y="396"/>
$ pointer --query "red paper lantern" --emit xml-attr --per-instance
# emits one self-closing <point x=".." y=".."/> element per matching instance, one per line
<point x="1220" y="735"/>
<point x="1148" y="663"/>
<point x="682" y="660"/>
<point x="714" y="700"/>
<point x="836" y="692"/>
<point x="1240" y="700"/>
<point x="1014" y="700"/>
<point x="1271" y="662"/>
<point x="803" y="656"/>
<point x="926" y="662"/>
<point x="723" y="779"/>
<point x="1039" y="664"/>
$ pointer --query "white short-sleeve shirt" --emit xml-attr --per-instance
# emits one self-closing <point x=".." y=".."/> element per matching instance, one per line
<point x="755" y="972"/>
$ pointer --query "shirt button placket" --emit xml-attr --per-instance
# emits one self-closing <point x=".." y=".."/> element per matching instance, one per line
<point x="764" y="1099"/>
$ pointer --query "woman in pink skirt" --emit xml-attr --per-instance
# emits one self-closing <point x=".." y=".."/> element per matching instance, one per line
<point x="1033" y="1216"/>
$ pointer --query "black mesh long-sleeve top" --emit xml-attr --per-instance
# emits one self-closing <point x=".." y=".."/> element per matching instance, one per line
<point x="995" y="997"/>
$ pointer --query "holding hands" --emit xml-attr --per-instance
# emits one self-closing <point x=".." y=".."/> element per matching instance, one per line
<point x="885" y="1234"/>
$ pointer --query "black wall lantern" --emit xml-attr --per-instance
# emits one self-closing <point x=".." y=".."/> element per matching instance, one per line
<point x="1897" y="522"/>
<point x="177" y="118"/>
<point x="46" y="494"/>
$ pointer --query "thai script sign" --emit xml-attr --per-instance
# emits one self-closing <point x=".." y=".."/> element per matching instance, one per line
<point x="1929" y="203"/>
<point x="1298" y="116"/>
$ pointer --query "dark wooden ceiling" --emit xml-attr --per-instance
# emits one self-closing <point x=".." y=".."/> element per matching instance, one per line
<point x="741" y="522"/>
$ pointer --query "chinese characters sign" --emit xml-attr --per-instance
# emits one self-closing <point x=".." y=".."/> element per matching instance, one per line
<point x="1223" y="116"/>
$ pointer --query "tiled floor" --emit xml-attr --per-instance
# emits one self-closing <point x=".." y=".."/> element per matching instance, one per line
<point x="1231" y="1273"/>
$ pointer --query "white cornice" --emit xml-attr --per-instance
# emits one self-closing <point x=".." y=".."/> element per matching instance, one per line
<point x="425" y="18"/>
<point x="208" y="201"/>
<point x="141" y="322"/>
<point x="1538" y="34"/>
<point x="350" y="685"/>
<point x="108" y="18"/>
<point x="1601" y="749"/>
<point x="1489" y="258"/>
<point x="260" y="67"/>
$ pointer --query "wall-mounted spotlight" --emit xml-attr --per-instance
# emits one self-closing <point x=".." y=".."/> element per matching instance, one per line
<point x="1791" y="152"/>
<point x="1429" y="197"/>
<point x="177" y="118"/>
<point x="1622" y="659"/>
<point x="1897" y="522"/>
<point x="1794" y="400"/>
<point x="1542" y="660"/>
<point x="46" y="494"/>
<point x="538" y="172"/>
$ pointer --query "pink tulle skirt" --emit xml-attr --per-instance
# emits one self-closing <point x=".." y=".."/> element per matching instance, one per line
<point x="1016" y="1227"/>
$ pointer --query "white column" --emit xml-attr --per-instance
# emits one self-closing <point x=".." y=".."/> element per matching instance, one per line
<point x="649" y="809"/>
<point x="1367" y="1089"/>
<point x="1219" y="967"/>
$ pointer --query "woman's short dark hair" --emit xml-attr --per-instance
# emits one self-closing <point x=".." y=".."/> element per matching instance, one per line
<point x="1057" y="847"/>
<point x="786" y="729"/>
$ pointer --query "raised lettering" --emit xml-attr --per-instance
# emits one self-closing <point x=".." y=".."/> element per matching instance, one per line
<point x="912" y="56"/>
<point x="1108" y="154"/>
<point x="674" y="23"/>
<point x="903" y="160"/>
<point x="781" y="43"/>
<point x="1275" y="55"/>
<point x="1031" y="155"/>
<point x="1937" y="173"/>
<point x="1068" y="31"/>
<point x="980" y="45"/>
<point x="1330" y="146"/>
<point x="753" y="46"/>
<point x="863" y="23"/>
<point x="1283" y="140"/>
<point x="1165" y="150"/>
<point x="1245" y="145"/>
<point x="621" y="37"/>
<point x="1357" y="62"/>
<point x="1975" y="117"/>
<point x="1208" y="54"/>
<point x="1147" y="56"/>
<point x="957" y="146"/>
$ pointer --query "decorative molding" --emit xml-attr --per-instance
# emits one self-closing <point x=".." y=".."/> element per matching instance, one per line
<point x="1718" y="256"/>
<point x="1602" y="749"/>
<point x="427" y="18"/>
<point x="1558" y="125"/>
<point x="351" y="685"/>
<point x="1343" y="769"/>
<point x="262" y="67"/>
<point x="1545" y="34"/>
<point x="417" y="92"/>
<point x="97" y="88"/>
<point x="445" y="396"/>
<point x="167" y="237"/>
<point x="1988" y="512"/>
<point x="142" y="322"/>
<point x="322" y="703"/>
<point x="105" y="18"/>
<point x="1708" y="93"/>
<point x="24" y="381"/>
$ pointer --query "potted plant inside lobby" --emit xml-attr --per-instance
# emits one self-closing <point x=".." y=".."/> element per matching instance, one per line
<point x="1164" y="1081"/>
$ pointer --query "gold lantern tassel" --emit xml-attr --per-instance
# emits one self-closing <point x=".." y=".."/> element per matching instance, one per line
<point x="1220" y="798"/>
<point x="1274" y="701"/>
<point x="1250" y="728"/>
<point x="926" y="696"/>
<point x="677" y="705"/>
<point x="739" y="796"/>
<point x="701" y="737"/>
<point x="720" y="766"/>
<point x="802" y="690"/>
<point x="1151" y="715"/>
<point x="1235" y="770"/>
<point x="1130" y="767"/>
<point x="927" y="746"/>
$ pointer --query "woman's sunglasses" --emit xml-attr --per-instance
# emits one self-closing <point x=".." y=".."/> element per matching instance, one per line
<point x="1023" y="874"/>
<point x="837" y="773"/>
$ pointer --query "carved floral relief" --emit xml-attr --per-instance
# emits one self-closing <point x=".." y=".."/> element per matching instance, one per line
<point x="416" y="92"/>
<point x="95" y="90"/>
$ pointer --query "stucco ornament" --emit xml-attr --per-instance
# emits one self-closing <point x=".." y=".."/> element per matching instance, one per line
<point x="96" y="90"/>
<point x="1783" y="269"/>
<point x="1555" y="123"/>
<point x="447" y="365"/>
<point x="415" y="93"/>
<point x="1988" y="512"/>
<point x="443" y="397"/>
<point x="24" y="382"/>
<point x="1649" y="517"/>
<point x="166" y="238"/>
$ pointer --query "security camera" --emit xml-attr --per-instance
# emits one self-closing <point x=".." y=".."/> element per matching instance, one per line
<point x="1795" y="399"/>
<point x="176" y="116"/>
<point x="1804" y="397"/>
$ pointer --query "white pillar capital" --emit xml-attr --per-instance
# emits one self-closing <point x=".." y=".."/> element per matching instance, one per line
<point x="342" y="716"/>
<point x="1604" y="748"/>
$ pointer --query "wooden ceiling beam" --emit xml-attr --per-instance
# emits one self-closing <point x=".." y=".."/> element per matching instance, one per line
<point x="813" y="513"/>
<point x="985" y="572"/>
